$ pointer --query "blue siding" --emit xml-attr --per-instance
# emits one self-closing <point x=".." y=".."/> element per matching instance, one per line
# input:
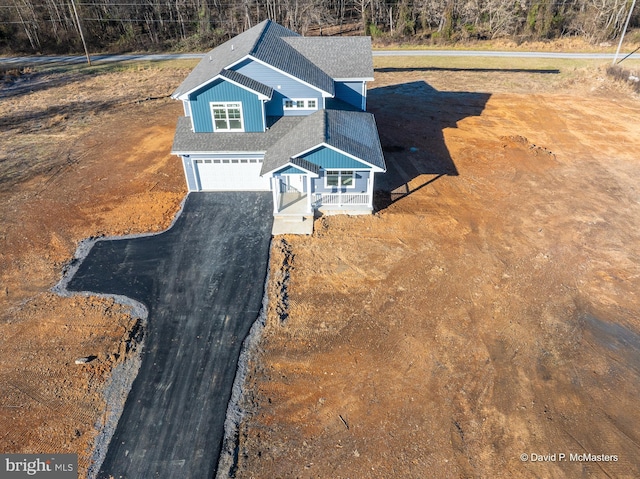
<point x="351" y="93"/>
<point x="224" y="91"/>
<point x="362" y="178"/>
<point x="283" y="86"/>
<point x="330" y="159"/>
<point x="290" y="170"/>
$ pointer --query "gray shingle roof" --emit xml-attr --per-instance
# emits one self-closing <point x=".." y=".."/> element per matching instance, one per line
<point x="356" y="133"/>
<point x="266" y="42"/>
<point x="273" y="49"/>
<point x="220" y="57"/>
<point x="339" y="57"/>
<point x="307" y="165"/>
<point x="353" y="132"/>
<point x="187" y="142"/>
<point x="250" y="83"/>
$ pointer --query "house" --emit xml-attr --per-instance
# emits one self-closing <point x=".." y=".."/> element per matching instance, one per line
<point x="274" y="111"/>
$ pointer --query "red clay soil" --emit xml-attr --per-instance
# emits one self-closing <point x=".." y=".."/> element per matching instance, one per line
<point x="478" y="319"/>
<point x="73" y="168"/>
<point x="474" y="319"/>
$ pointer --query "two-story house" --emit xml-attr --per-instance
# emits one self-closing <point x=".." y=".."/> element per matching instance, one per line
<point x="272" y="110"/>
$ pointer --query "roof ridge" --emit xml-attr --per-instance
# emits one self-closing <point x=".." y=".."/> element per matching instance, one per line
<point x="267" y="24"/>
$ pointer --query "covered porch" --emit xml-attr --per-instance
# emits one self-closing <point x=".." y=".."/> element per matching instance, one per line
<point x="292" y="209"/>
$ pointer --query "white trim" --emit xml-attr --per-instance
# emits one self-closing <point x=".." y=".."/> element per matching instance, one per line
<point x="227" y="108"/>
<point x="274" y="192"/>
<point x="196" y="177"/>
<point x="373" y="167"/>
<point x="289" y="163"/>
<point x="366" y="79"/>
<point x="370" y="186"/>
<point x="185" y="96"/>
<point x="186" y="175"/>
<point x="324" y="93"/>
<point x="218" y="152"/>
<point x="296" y="100"/>
<point x="239" y="85"/>
<point x="340" y="171"/>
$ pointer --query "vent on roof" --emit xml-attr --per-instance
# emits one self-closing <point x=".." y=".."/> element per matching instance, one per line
<point x="232" y="47"/>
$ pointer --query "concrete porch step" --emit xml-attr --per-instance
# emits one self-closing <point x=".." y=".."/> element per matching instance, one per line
<point x="292" y="225"/>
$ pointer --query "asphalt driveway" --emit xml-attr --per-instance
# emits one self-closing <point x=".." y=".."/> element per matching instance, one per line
<point x="203" y="283"/>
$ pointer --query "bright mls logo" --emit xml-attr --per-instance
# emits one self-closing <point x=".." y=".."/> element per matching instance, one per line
<point x="45" y="466"/>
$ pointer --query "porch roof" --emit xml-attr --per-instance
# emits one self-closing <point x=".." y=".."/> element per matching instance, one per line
<point x="352" y="132"/>
<point x="295" y="165"/>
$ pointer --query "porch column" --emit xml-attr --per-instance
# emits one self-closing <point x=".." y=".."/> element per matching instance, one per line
<point x="308" y="177"/>
<point x="370" y="187"/>
<point x="274" y="184"/>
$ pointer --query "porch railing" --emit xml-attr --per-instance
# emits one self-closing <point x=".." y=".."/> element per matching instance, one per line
<point x="284" y="188"/>
<point x="340" y="199"/>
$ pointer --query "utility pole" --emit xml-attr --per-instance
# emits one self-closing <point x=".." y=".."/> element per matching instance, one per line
<point x="84" y="44"/>
<point x="615" y="59"/>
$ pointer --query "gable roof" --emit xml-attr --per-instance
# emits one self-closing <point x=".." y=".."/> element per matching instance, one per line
<point x="247" y="82"/>
<point x="219" y="58"/>
<point x="352" y="132"/>
<point x="339" y="57"/>
<point x="266" y="43"/>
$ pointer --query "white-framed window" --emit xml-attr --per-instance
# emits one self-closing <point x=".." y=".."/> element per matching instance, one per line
<point x="300" y="104"/>
<point x="227" y="116"/>
<point x="339" y="179"/>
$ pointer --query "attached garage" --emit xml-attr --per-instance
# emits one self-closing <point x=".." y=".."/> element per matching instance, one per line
<point x="237" y="174"/>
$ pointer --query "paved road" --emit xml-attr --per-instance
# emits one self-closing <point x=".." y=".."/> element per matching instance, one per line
<point x="72" y="59"/>
<point x="203" y="283"/>
<point x="475" y="53"/>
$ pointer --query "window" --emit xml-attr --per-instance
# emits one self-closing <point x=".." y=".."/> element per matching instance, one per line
<point x="301" y="104"/>
<point x="227" y="116"/>
<point x="339" y="178"/>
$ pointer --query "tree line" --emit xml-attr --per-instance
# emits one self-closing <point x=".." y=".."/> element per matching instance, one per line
<point x="48" y="26"/>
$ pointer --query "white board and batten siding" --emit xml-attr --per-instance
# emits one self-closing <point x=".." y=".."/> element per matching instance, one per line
<point x="224" y="174"/>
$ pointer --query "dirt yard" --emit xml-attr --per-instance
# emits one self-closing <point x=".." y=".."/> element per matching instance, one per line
<point x="489" y="310"/>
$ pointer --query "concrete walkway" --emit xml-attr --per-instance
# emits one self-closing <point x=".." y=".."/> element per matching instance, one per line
<point x="203" y="283"/>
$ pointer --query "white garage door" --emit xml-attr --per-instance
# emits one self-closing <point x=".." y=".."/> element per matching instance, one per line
<point x="236" y="175"/>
